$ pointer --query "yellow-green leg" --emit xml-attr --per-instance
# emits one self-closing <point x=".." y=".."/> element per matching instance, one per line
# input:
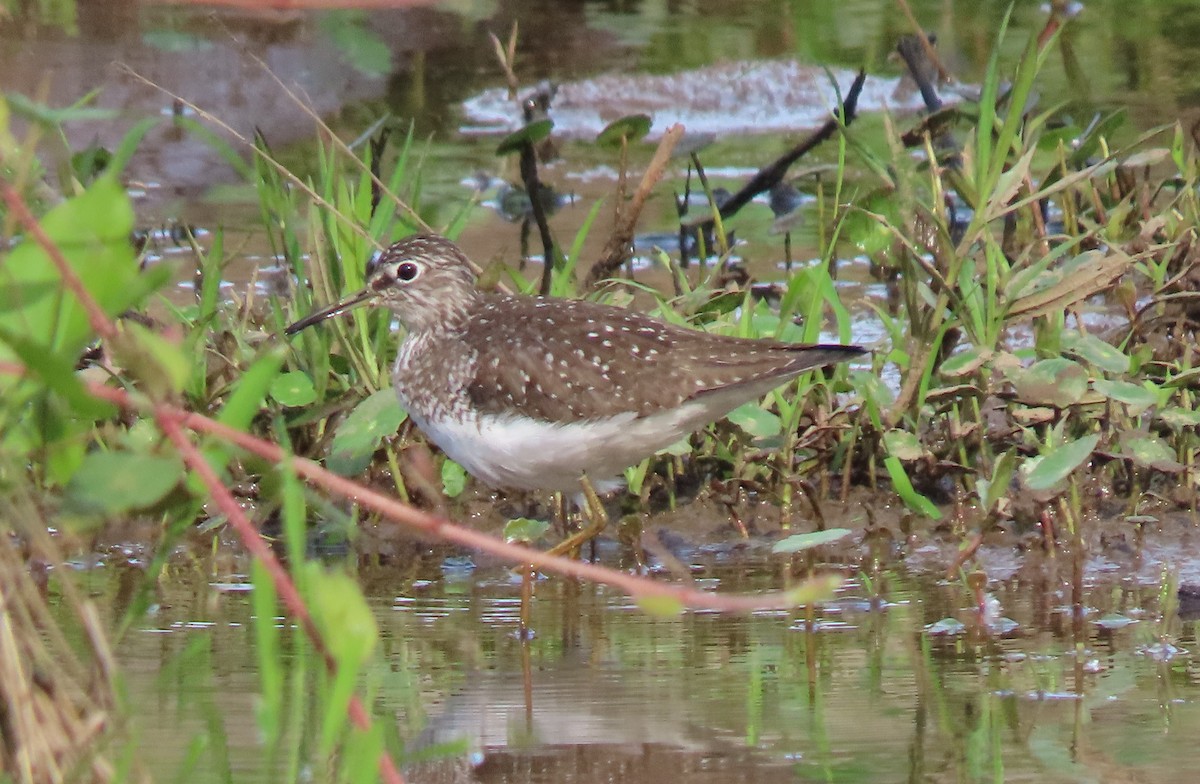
<point x="596" y="521"/>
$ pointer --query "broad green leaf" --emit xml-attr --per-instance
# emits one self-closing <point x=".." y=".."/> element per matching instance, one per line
<point x="1099" y="353"/>
<point x="631" y="128"/>
<point x="532" y="133"/>
<point x="799" y="542"/>
<point x="1137" y="397"/>
<point x="1150" y="451"/>
<point x="964" y="363"/>
<point x="756" y="420"/>
<point x="661" y="606"/>
<point x="995" y="488"/>
<point x="680" y="448"/>
<point x="903" y="444"/>
<point x="92" y="230"/>
<point x="375" y="418"/>
<point x="57" y="372"/>
<point x="293" y="389"/>
<point x="1057" y="382"/>
<point x="1179" y="418"/>
<point x="454" y="478"/>
<point x="341" y="612"/>
<point x="1045" y="471"/>
<point x="111" y="483"/>
<point x="525" y="530"/>
<point x="149" y="357"/>
<point x="251" y="389"/>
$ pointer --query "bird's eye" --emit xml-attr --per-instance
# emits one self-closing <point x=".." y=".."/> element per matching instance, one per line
<point x="407" y="271"/>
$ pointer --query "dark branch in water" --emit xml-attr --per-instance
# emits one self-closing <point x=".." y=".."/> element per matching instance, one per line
<point x="774" y="173"/>
<point x="533" y="187"/>
<point x="917" y="53"/>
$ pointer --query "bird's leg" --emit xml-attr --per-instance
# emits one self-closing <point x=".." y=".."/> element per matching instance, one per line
<point x="562" y="513"/>
<point x="596" y="521"/>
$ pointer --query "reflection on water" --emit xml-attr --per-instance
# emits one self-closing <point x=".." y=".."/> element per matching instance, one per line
<point x="855" y="691"/>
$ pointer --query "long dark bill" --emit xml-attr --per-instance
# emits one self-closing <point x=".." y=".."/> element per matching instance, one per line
<point x="336" y="309"/>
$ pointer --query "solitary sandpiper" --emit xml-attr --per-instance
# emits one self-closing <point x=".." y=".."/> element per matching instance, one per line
<point x="535" y="393"/>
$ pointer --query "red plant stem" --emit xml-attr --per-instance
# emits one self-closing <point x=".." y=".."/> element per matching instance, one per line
<point x="100" y="323"/>
<point x="448" y="531"/>
<point x="168" y="419"/>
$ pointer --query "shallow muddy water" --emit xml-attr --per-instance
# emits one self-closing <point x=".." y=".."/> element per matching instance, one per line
<point x="863" y="689"/>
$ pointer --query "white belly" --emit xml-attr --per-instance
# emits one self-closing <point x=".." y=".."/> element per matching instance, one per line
<point x="505" y="451"/>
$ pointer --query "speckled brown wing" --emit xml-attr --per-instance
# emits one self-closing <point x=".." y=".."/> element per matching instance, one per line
<point x="569" y="360"/>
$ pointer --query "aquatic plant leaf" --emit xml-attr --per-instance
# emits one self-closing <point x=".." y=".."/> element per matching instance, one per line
<point x="349" y="632"/>
<point x="22" y="106"/>
<point x="341" y="612"/>
<point x="1057" y="382"/>
<point x="1114" y="621"/>
<point x="1185" y="379"/>
<point x="876" y="393"/>
<point x="756" y="420"/>
<point x="293" y="389"/>
<point x="1096" y="351"/>
<point x="524" y="530"/>
<point x="1054" y="290"/>
<point x="378" y="416"/>
<point x="1178" y="418"/>
<point x="680" y="448"/>
<point x="692" y="141"/>
<point x="799" y="542"/>
<point x="1136" y="396"/>
<point x="162" y="366"/>
<point x="251" y="389"/>
<point x="661" y="606"/>
<point x="945" y="628"/>
<point x="57" y="371"/>
<point x="964" y="363"/>
<point x="92" y="230"/>
<point x="111" y="483"/>
<point x="903" y="444"/>
<point x="531" y="133"/>
<point x="631" y="128"/>
<point x="1046" y="470"/>
<point x="454" y="478"/>
<point x="814" y="589"/>
<point x="868" y="228"/>
<point x="994" y="489"/>
<point x="1149" y="451"/>
<point x="1151" y="156"/>
<point x="269" y="708"/>
<point x="903" y="487"/>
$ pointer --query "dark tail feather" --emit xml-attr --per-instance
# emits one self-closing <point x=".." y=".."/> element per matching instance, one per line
<point x="821" y="354"/>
